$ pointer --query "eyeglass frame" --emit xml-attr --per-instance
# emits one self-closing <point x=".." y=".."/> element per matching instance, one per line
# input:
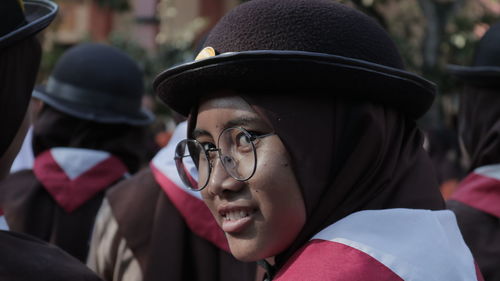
<point x="252" y="138"/>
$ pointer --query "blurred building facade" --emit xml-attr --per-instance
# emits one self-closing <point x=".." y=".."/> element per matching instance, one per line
<point x="429" y="34"/>
<point x="149" y="23"/>
<point x="156" y="33"/>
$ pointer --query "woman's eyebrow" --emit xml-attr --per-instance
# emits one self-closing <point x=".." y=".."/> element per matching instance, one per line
<point x="199" y="133"/>
<point x="237" y="122"/>
<point x="241" y="121"/>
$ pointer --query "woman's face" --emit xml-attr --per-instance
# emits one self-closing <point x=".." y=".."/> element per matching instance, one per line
<point x="263" y="215"/>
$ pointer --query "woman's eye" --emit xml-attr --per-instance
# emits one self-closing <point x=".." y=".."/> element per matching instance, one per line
<point x="208" y="146"/>
<point x="243" y="139"/>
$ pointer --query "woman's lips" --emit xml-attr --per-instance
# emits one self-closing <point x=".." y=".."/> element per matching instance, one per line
<point x="236" y="219"/>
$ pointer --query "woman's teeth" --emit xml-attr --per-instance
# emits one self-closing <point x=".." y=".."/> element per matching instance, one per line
<point x="235" y="215"/>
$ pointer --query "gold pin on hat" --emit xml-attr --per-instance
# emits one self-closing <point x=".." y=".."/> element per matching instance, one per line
<point x="21" y="4"/>
<point x="207" y="52"/>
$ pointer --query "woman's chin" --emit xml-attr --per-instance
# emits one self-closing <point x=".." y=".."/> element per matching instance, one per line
<point x="243" y="255"/>
<point x="245" y="252"/>
<point x="245" y="258"/>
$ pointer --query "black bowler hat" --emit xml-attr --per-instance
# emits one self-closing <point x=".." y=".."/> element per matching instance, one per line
<point x="99" y="83"/>
<point x="19" y="19"/>
<point x="299" y="47"/>
<point x="485" y="71"/>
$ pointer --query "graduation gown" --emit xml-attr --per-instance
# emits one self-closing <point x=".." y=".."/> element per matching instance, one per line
<point x="385" y="245"/>
<point x="58" y="200"/>
<point x="476" y="204"/>
<point x="25" y="258"/>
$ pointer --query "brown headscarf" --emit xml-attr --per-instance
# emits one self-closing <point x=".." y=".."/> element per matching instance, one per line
<point x="479" y="125"/>
<point x="348" y="156"/>
<point x="18" y="69"/>
<point x="56" y="129"/>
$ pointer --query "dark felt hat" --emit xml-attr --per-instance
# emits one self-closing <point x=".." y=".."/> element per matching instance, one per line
<point x="19" y="19"/>
<point x="299" y="47"/>
<point x="485" y="70"/>
<point x="97" y="82"/>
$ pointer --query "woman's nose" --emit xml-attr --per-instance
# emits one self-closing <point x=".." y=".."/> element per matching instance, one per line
<point x="220" y="182"/>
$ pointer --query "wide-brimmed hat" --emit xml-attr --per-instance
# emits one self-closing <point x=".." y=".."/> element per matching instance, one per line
<point x="99" y="83"/>
<point x="298" y="47"/>
<point x="16" y="24"/>
<point x="485" y="70"/>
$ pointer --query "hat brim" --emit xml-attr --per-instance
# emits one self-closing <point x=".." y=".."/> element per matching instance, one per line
<point x="298" y="73"/>
<point x="480" y="75"/>
<point x="141" y="118"/>
<point x="38" y="14"/>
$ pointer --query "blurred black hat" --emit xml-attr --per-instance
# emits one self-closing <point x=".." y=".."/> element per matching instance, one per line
<point x="485" y="70"/>
<point x="301" y="47"/>
<point x="97" y="82"/>
<point x="19" y="19"/>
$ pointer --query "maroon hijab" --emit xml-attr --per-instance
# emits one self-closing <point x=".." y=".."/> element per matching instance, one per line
<point x="479" y="125"/>
<point x="348" y="156"/>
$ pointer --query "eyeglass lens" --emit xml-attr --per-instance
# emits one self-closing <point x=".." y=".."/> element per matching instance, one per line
<point x="236" y="152"/>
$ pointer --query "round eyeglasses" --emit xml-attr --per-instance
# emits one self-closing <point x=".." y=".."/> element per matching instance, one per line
<point x="236" y="151"/>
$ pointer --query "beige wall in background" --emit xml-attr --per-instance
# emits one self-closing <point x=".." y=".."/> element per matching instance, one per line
<point x="179" y="21"/>
<point x="72" y="21"/>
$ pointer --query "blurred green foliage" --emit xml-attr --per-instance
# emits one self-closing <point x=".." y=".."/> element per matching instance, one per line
<point x="405" y="21"/>
<point x="455" y="25"/>
<point x="153" y="63"/>
<point x="49" y="59"/>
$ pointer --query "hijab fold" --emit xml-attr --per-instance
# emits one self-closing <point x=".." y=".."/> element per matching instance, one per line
<point x="349" y="156"/>
<point x="479" y="125"/>
<point x="56" y="129"/>
<point x="18" y="69"/>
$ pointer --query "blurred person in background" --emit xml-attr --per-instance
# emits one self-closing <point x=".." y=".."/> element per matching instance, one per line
<point x="152" y="227"/>
<point x="23" y="257"/>
<point x="90" y="133"/>
<point x="476" y="202"/>
<point x="442" y="145"/>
